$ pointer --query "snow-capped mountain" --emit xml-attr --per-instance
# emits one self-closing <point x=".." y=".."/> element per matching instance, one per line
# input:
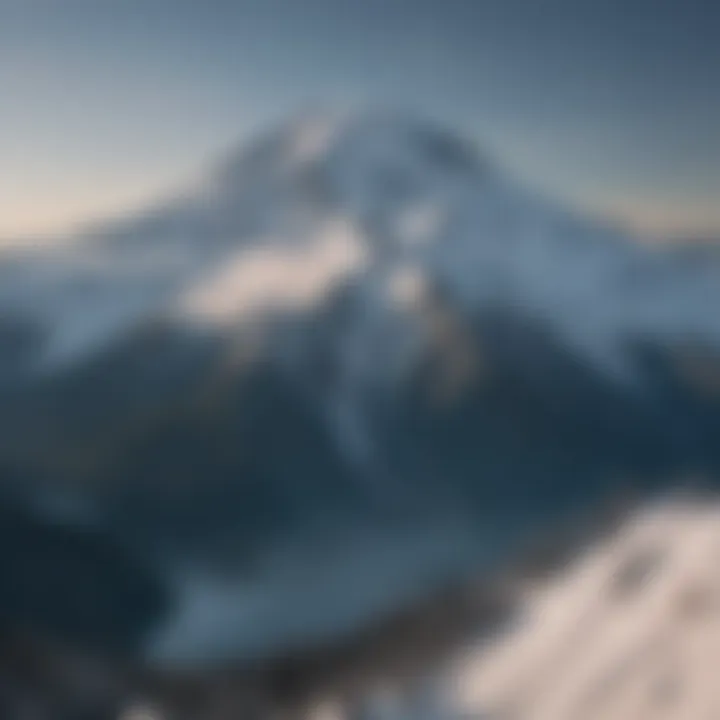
<point x="375" y="199"/>
<point x="354" y="365"/>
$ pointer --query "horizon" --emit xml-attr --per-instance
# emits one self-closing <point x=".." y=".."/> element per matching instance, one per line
<point x="610" y="109"/>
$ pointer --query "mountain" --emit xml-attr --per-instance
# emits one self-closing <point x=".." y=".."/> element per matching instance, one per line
<point x="353" y="366"/>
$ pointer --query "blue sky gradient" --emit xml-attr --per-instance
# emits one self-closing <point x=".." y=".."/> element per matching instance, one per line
<point x="612" y="105"/>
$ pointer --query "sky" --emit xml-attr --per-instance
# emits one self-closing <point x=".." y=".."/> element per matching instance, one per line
<point x="612" y="106"/>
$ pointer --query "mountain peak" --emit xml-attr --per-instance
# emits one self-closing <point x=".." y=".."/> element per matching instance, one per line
<point x="330" y="198"/>
<point x="359" y="159"/>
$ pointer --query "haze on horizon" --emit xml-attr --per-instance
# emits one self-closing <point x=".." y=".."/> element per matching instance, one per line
<point x="609" y="106"/>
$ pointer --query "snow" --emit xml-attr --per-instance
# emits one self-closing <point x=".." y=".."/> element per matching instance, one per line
<point x="585" y="647"/>
<point x="420" y="224"/>
<point x="275" y="277"/>
<point x="629" y="629"/>
<point x="395" y="202"/>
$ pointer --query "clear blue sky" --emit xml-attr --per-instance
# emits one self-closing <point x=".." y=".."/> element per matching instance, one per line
<point x="610" y="104"/>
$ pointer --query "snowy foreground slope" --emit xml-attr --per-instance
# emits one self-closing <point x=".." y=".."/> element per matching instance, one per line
<point x="624" y="626"/>
<point x="353" y="368"/>
<point x="629" y="630"/>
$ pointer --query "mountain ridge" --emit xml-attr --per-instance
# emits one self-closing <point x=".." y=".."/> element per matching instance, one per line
<point x="353" y="326"/>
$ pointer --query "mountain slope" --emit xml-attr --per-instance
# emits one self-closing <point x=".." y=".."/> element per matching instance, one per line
<point x="357" y="329"/>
